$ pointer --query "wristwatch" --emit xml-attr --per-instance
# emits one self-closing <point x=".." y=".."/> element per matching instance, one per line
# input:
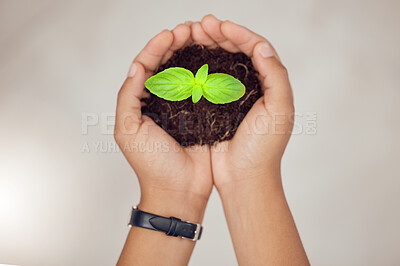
<point x="171" y="226"/>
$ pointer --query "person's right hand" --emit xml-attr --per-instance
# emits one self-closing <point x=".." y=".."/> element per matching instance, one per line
<point x="261" y="139"/>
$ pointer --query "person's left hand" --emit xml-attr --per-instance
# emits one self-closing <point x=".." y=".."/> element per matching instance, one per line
<point x="253" y="156"/>
<point x="174" y="180"/>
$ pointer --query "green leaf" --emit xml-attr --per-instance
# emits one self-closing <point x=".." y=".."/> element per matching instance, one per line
<point x="197" y="93"/>
<point x="177" y="84"/>
<point x="222" y="88"/>
<point x="172" y="84"/>
<point x="201" y="75"/>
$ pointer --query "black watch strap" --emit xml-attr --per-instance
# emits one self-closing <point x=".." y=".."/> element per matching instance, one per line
<point x="171" y="226"/>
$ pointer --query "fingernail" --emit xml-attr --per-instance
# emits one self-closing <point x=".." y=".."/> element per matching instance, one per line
<point x="132" y="70"/>
<point x="265" y="50"/>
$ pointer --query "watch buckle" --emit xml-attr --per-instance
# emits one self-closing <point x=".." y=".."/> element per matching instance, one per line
<point x="196" y="233"/>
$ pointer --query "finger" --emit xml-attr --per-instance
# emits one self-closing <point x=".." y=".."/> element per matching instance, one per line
<point x="201" y="37"/>
<point x="151" y="55"/>
<point x="212" y="26"/>
<point x="188" y="22"/>
<point x="181" y="37"/>
<point x="190" y="40"/>
<point x="129" y="114"/>
<point x="243" y="38"/>
<point x="273" y="75"/>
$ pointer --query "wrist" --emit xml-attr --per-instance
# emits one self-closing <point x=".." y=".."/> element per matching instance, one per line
<point x="241" y="186"/>
<point x="246" y="199"/>
<point x="183" y="205"/>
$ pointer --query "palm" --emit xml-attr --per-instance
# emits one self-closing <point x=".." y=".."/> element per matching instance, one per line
<point x="163" y="158"/>
<point x="252" y="149"/>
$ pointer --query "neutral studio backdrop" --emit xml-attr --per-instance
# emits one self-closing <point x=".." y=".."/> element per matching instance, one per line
<point x="65" y="193"/>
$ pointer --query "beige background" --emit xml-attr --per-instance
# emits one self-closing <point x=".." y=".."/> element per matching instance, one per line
<point x="61" y="205"/>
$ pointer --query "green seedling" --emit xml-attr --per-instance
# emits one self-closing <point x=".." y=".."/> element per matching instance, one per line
<point x="177" y="84"/>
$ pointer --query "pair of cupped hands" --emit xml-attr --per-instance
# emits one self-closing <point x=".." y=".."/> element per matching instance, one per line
<point x="185" y="175"/>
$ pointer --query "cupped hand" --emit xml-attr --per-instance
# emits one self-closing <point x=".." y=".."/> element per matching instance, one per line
<point x="168" y="173"/>
<point x="260" y="141"/>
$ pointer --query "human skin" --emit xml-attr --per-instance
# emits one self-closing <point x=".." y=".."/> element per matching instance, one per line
<point x="246" y="169"/>
<point x="177" y="181"/>
<point x="174" y="181"/>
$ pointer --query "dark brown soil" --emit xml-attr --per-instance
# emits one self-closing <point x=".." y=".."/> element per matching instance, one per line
<point x="204" y="122"/>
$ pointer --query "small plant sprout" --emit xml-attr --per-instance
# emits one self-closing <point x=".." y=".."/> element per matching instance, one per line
<point x="177" y="84"/>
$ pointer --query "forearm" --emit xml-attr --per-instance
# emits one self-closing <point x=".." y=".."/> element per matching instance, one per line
<point x="260" y="223"/>
<point x="147" y="247"/>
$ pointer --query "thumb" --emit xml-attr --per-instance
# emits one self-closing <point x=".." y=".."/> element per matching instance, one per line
<point x="274" y="78"/>
<point x="129" y="114"/>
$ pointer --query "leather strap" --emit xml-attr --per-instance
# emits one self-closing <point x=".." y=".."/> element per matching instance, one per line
<point x="171" y="226"/>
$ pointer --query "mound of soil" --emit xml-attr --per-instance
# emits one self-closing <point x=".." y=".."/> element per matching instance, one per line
<point x="204" y="122"/>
